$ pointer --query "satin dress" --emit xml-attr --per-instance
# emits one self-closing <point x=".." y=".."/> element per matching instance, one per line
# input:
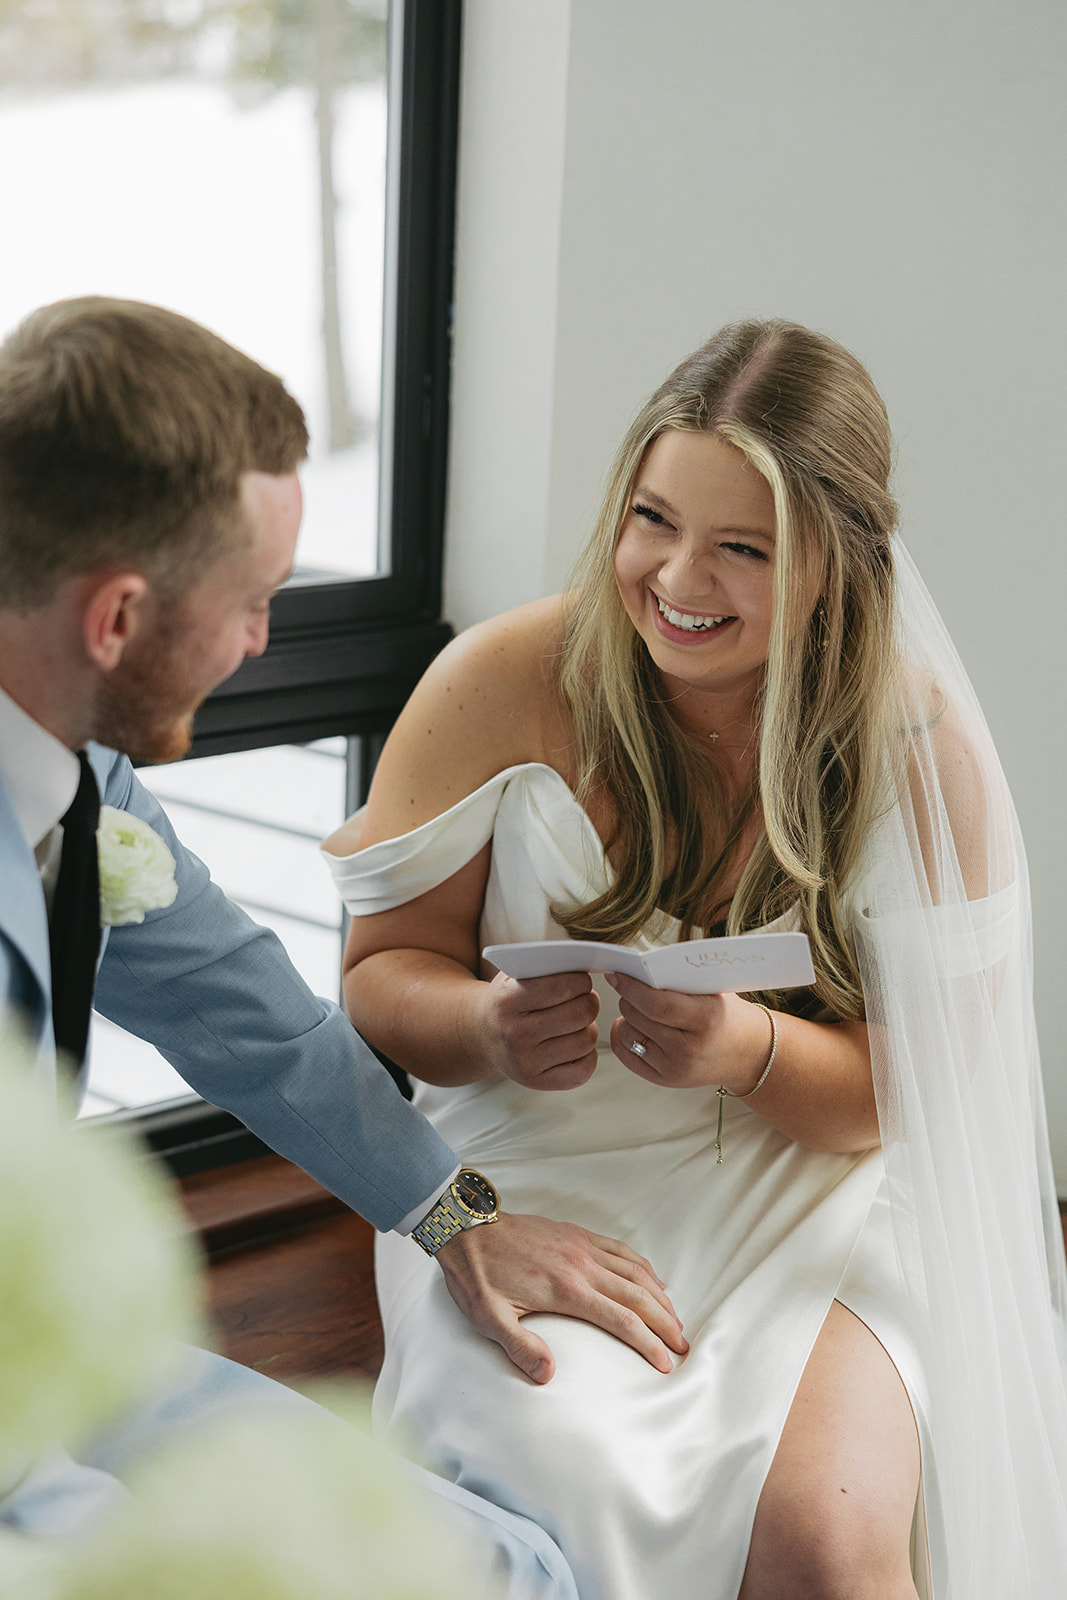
<point x="649" y="1483"/>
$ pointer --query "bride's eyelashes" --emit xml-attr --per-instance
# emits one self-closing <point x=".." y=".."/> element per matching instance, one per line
<point x="747" y="550"/>
<point x="655" y="518"/>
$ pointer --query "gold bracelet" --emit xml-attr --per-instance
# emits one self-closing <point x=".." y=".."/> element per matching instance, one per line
<point x="723" y="1091"/>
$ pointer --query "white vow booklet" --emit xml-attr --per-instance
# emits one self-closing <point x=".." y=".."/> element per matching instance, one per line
<point x="697" y="966"/>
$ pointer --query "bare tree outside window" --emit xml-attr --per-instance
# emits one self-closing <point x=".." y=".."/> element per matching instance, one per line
<point x="321" y="43"/>
<point x="258" y="47"/>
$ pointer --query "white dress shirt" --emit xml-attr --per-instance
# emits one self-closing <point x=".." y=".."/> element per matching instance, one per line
<point x="41" y="775"/>
<point x="413" y="1218"/>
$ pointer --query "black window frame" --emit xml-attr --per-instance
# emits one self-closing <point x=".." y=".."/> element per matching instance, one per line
<point x="345" y="654"/>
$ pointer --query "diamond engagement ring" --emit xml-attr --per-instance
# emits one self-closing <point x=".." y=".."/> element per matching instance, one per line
<point x="639" y="1049"/>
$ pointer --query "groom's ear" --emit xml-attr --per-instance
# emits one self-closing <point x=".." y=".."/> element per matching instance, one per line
<point x="114" y="611"/>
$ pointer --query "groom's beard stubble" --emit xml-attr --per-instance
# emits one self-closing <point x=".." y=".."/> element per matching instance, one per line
<point x="146" y="706"/>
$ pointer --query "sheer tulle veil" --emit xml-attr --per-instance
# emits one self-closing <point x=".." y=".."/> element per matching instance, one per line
<point x="944" y="946"/>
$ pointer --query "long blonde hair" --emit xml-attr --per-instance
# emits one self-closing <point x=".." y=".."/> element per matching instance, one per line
<point x="807" y="416"/>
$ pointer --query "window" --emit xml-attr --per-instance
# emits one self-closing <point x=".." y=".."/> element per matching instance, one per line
<point x="255" y="818"/>
<point x="283" y="170"/>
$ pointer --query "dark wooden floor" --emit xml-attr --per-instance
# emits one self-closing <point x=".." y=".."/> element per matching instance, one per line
<point x="290" y="1272"/>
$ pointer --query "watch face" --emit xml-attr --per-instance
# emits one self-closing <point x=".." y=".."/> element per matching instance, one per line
<point x="475" y="1193"/>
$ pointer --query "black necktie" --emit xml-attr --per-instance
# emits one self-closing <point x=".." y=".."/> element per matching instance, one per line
<point x="75" y="923"/>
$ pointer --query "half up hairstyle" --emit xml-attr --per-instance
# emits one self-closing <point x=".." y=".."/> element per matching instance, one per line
<point x="806" y="415"/>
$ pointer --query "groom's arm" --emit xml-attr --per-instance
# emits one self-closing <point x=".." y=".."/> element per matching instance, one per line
<point x="220" y="999"/>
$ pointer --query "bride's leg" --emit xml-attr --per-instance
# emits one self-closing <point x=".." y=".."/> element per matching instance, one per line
<point x="834" y="1519"/>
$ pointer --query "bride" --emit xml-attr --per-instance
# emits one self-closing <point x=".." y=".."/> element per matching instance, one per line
<point x="745" y="714"/>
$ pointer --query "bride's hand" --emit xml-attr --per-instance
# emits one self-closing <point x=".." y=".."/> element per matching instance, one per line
<point x="540" y="1031"/>
<point x="689" y="1040"/>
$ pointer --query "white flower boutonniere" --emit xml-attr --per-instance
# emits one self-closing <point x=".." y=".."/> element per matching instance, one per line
<point x="136" y="869"/>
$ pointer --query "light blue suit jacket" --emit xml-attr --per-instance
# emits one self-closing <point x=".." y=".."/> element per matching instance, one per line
<point x="219" y="998"/>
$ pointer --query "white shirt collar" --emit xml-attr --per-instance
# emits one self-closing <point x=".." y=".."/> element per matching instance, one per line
<point x="39" y="772"/>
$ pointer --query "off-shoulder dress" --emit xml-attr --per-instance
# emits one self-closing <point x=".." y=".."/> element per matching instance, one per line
<point x="649" y="1483"/>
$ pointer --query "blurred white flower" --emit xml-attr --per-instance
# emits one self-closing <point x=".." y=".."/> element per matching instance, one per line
<point x="256" y="1507"/>
<point x="136" y="868"/>
<point x="95" y="1282"/>
<point x="28" y="1570"/>
<point x="96" y="1289"/>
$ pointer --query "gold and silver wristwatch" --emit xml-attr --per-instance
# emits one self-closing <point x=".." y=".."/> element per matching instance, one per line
<point x="469" y="1201"/>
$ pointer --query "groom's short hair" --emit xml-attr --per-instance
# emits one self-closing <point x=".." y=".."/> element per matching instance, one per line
<point x="125" y="430"/>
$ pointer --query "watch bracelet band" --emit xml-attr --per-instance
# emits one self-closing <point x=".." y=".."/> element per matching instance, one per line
<point x="436" y="1229"/>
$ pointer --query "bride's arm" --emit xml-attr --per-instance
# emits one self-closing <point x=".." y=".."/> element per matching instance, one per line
<point x="412" y="987"/>
<point x="819" y="1089"/>
<point x="412" y="980"/>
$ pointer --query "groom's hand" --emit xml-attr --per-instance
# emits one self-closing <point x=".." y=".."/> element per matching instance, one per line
<point x="502" y="1272"/>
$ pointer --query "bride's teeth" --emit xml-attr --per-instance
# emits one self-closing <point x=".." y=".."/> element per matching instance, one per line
<point x="682" y="619"/>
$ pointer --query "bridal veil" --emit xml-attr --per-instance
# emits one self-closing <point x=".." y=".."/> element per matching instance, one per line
<point x="944" y="947"/>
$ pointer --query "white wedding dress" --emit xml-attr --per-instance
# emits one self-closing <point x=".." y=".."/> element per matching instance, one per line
<point x="649" y="1483"/>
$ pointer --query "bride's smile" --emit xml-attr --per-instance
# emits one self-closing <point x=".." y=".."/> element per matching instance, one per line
<point x="677" y="621"/>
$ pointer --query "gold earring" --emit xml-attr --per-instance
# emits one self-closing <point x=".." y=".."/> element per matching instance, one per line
<point x="822" y="631"/>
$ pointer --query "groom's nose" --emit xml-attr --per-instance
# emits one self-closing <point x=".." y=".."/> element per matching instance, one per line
<point x="257" y="635"/>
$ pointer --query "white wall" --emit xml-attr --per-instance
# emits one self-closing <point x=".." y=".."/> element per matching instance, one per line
<point x="509" y="196"/>
<point x="636" y="172"/>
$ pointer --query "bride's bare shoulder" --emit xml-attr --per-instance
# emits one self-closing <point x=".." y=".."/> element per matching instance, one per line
<point x="515" y="641"/>
<point x="505" y="670"/>
<point x="487" y="702"/>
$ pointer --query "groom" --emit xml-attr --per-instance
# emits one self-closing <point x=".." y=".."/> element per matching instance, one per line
<point x="149" y="507"/>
